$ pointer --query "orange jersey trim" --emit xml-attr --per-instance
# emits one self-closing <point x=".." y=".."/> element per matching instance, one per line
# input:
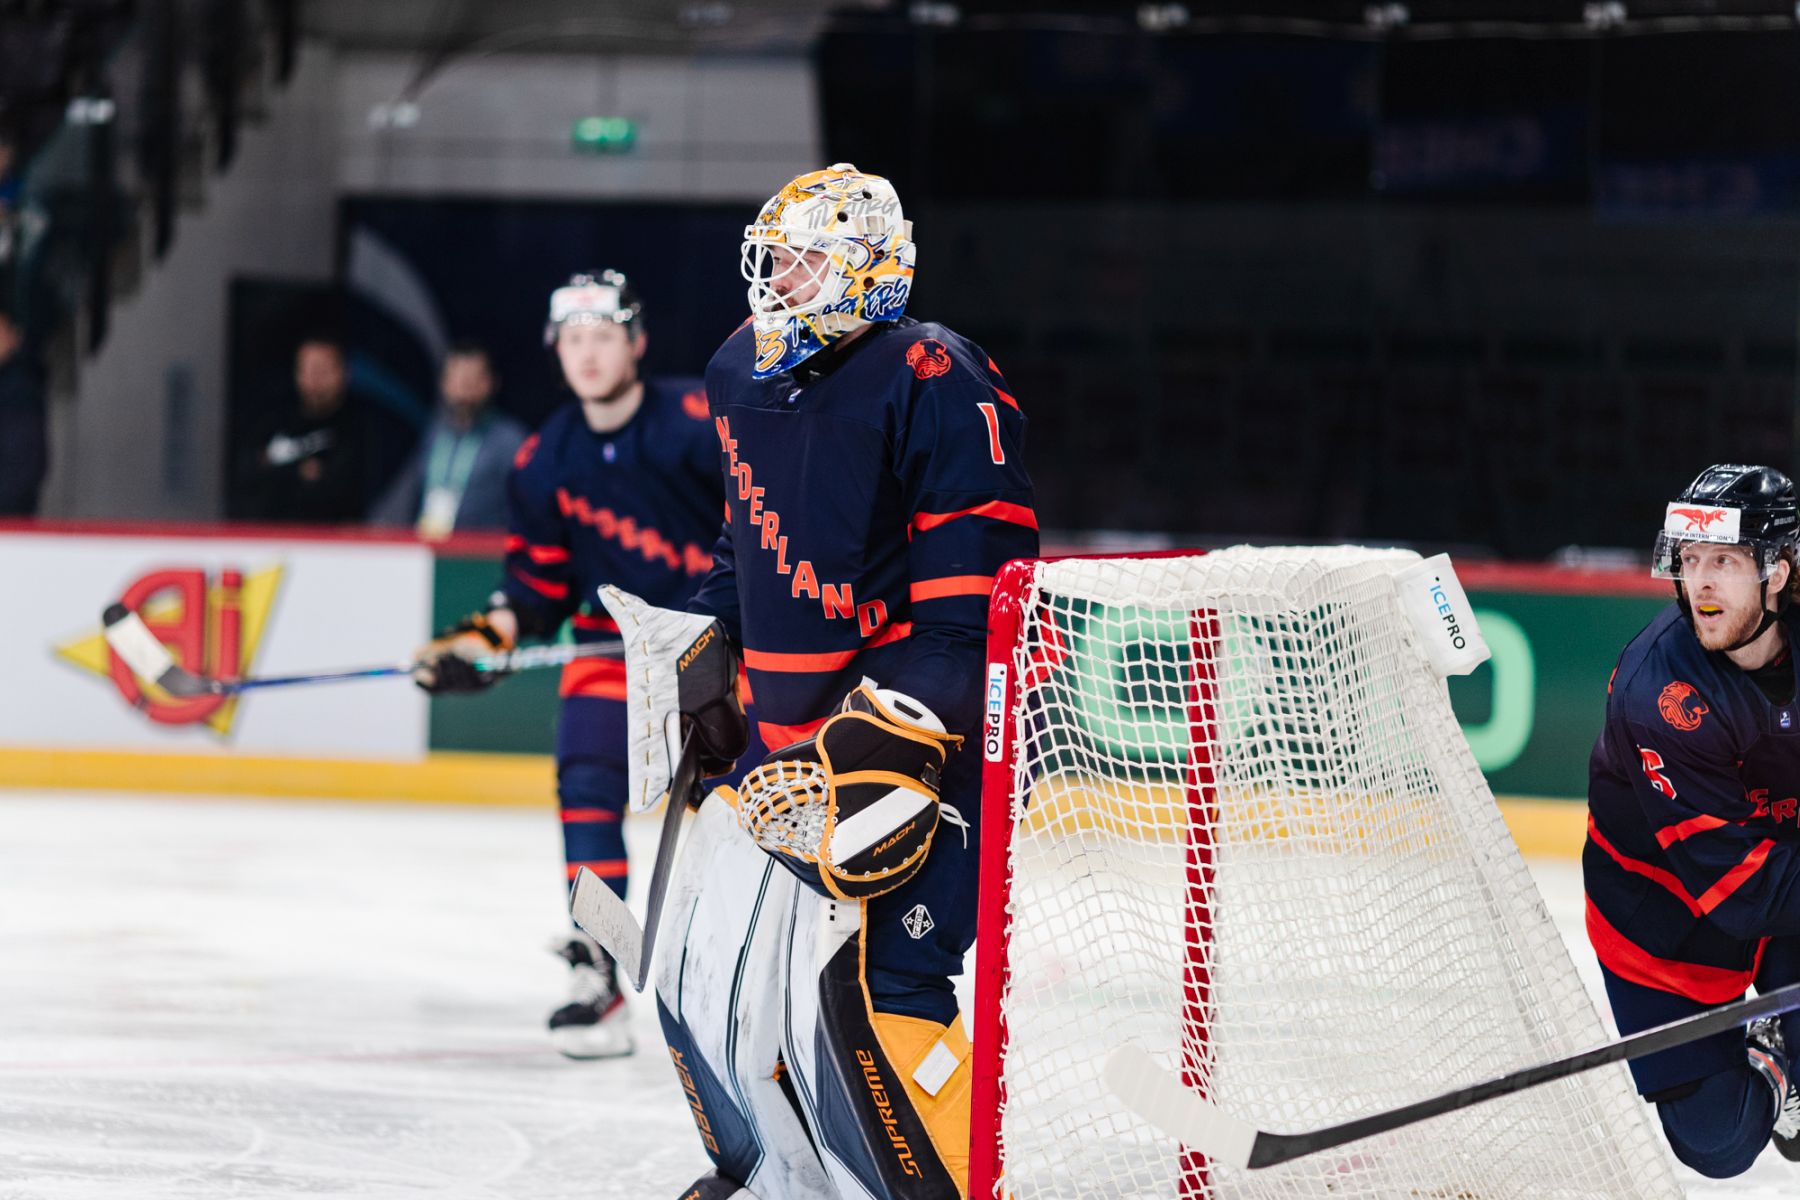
<point x="547" y="554"/>
<point x="599" y="677"/>
<point x="587" y="816"/>
<point x="1714" y="896"/>
<point x="777" y="736"/>
<point x="999" y="510"/>
<point x="952" y="585"/>
<point x="830" y="660"/>
<point x="610" y="868"/>
<point x="554" y="591"/>
<point x="1670" y="834"/>
<point x="1628" y="960"/>
<point x="1655" y="874"/>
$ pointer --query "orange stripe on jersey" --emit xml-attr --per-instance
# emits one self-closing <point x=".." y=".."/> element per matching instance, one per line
<point x="608" y="868"/>
<point x="1628" y="960"/>
<point x="1670" y="834"/>
<point x="555" y="591"/>
<point x="999" y="510"/>
<point x="776" y="736"/>
<point x="594" y="622"/>
<point x="1735" y="878"/>
<point x="952" y="585"/>
<point x="1653" y="873"/>
<point x="588" y="816"/>
<point x="1007" y="399"/>
<point x="603" y="678"/>
<point x="830" y="660"/>
<point x="514" y="542"/>
<point x="547" y="554"/>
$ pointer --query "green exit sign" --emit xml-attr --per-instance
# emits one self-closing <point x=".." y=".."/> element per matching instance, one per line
<point x="604" y="135"/>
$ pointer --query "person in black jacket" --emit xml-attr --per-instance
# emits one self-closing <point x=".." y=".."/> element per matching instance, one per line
<point x="311" y="464"/>
<point x="23" y="450"/>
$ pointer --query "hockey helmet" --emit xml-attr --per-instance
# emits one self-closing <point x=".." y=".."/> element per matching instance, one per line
<point x="1735" y="505"/>
<point x="829" y="253"/>
<point x="592" y="297"/>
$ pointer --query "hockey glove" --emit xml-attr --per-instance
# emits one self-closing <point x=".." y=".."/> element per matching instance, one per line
<point x="447" y="663"/>
<point x="852" y="809"/>
<point x="706" y="694"/>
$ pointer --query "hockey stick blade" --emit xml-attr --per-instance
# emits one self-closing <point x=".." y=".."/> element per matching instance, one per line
<point x="148" y="658"/>
<point x="1162" y="1100"/>
<point x="605" y="918"/>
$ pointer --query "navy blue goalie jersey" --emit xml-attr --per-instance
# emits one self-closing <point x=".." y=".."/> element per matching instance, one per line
<point x="1693" y="849"/>
<point x="639" y="508"/>
<point x="868" y="509"/>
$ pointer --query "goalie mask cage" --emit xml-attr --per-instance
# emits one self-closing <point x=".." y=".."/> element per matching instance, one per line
<point x="1229" y="817"/>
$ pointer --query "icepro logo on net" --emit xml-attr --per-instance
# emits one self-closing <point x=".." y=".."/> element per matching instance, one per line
<point x="991" y="741"/>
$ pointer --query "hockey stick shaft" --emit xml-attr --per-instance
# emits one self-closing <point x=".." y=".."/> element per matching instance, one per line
<point x="140" y="650"/>
<point x="598" y="909"/>
<point x="1165" y="1102"/>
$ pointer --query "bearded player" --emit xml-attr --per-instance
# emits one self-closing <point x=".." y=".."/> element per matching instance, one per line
<point x="620" y="486"/>
<point x="819" y="912"/>
<point x="1692" y="862"/>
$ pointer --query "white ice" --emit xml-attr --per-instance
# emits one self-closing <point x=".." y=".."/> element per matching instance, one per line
<point x="212" y="998"/>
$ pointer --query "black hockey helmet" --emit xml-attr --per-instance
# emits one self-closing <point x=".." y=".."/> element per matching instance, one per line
<point x="1730" y="504"/>
<point x="593" y="296"/>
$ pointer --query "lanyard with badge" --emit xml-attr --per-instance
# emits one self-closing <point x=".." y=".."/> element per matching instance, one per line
<point x="447" y="472"/>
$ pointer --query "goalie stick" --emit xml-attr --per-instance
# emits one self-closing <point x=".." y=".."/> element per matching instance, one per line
<point x="1164" y="1101"/>
<point x="148" y="658"/>
<point x="598" y="909"/>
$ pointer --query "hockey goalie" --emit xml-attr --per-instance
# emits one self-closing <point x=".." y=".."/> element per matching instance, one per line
<point x="818" y="912"/>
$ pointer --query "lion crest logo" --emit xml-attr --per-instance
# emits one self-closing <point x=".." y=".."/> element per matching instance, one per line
<point x="928" y="358"/>
<point x="1681" y="706"/>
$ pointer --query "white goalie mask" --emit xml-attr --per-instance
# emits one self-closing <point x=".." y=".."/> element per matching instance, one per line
<point x="828" y="254"/>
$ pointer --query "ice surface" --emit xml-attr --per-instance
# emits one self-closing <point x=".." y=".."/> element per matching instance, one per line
<point x="212" y="998"/>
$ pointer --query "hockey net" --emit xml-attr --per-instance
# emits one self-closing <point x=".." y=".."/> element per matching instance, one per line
<point x="1230" y="817"/>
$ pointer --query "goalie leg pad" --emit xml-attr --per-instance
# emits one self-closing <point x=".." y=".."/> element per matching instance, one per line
<point x="886" y="1094"/>
<point x="718" y="991"/>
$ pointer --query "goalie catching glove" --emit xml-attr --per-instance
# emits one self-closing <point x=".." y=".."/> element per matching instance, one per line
<point x="852" y="809"/>
<point x="447" y="663"/>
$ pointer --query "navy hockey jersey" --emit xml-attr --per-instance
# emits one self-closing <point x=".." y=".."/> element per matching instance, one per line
<point x="866" y="514"/>
<point x="639" y="508"/>
<point x="1693" y="849"/>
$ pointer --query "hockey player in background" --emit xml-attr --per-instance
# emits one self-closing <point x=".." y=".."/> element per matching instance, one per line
<point x="874" y="487"/>
<point x="1692" y="861"/>
<point x="620" y="486"/>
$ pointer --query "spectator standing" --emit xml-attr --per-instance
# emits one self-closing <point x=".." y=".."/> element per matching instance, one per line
<point x="24" y="453"/>
<point x="456" y="479"/>
<point x="309" y="466"/>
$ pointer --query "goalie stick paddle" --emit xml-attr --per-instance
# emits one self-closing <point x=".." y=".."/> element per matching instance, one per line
<point x="598" y="909"/>
<point x="1165" y="1102"/>
<point x="148" y="658"/>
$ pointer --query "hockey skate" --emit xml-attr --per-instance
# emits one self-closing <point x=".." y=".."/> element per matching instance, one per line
<point x="1768" y="1054"/>
<point x="595" y="1023"/>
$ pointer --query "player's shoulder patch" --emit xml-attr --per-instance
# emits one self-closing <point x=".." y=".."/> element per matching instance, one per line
<point x="693" y="404"/>
<point x="1681" y="706"/>
<point x="929" y="358"/>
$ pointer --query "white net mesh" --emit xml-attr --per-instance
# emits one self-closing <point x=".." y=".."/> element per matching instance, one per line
<point x="1249" y="838"/>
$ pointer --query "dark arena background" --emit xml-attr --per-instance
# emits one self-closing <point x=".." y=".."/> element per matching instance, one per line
<point x="1494" y="280"/>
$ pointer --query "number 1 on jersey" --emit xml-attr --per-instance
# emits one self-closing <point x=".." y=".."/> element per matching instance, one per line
<point x="995" y="449"/>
